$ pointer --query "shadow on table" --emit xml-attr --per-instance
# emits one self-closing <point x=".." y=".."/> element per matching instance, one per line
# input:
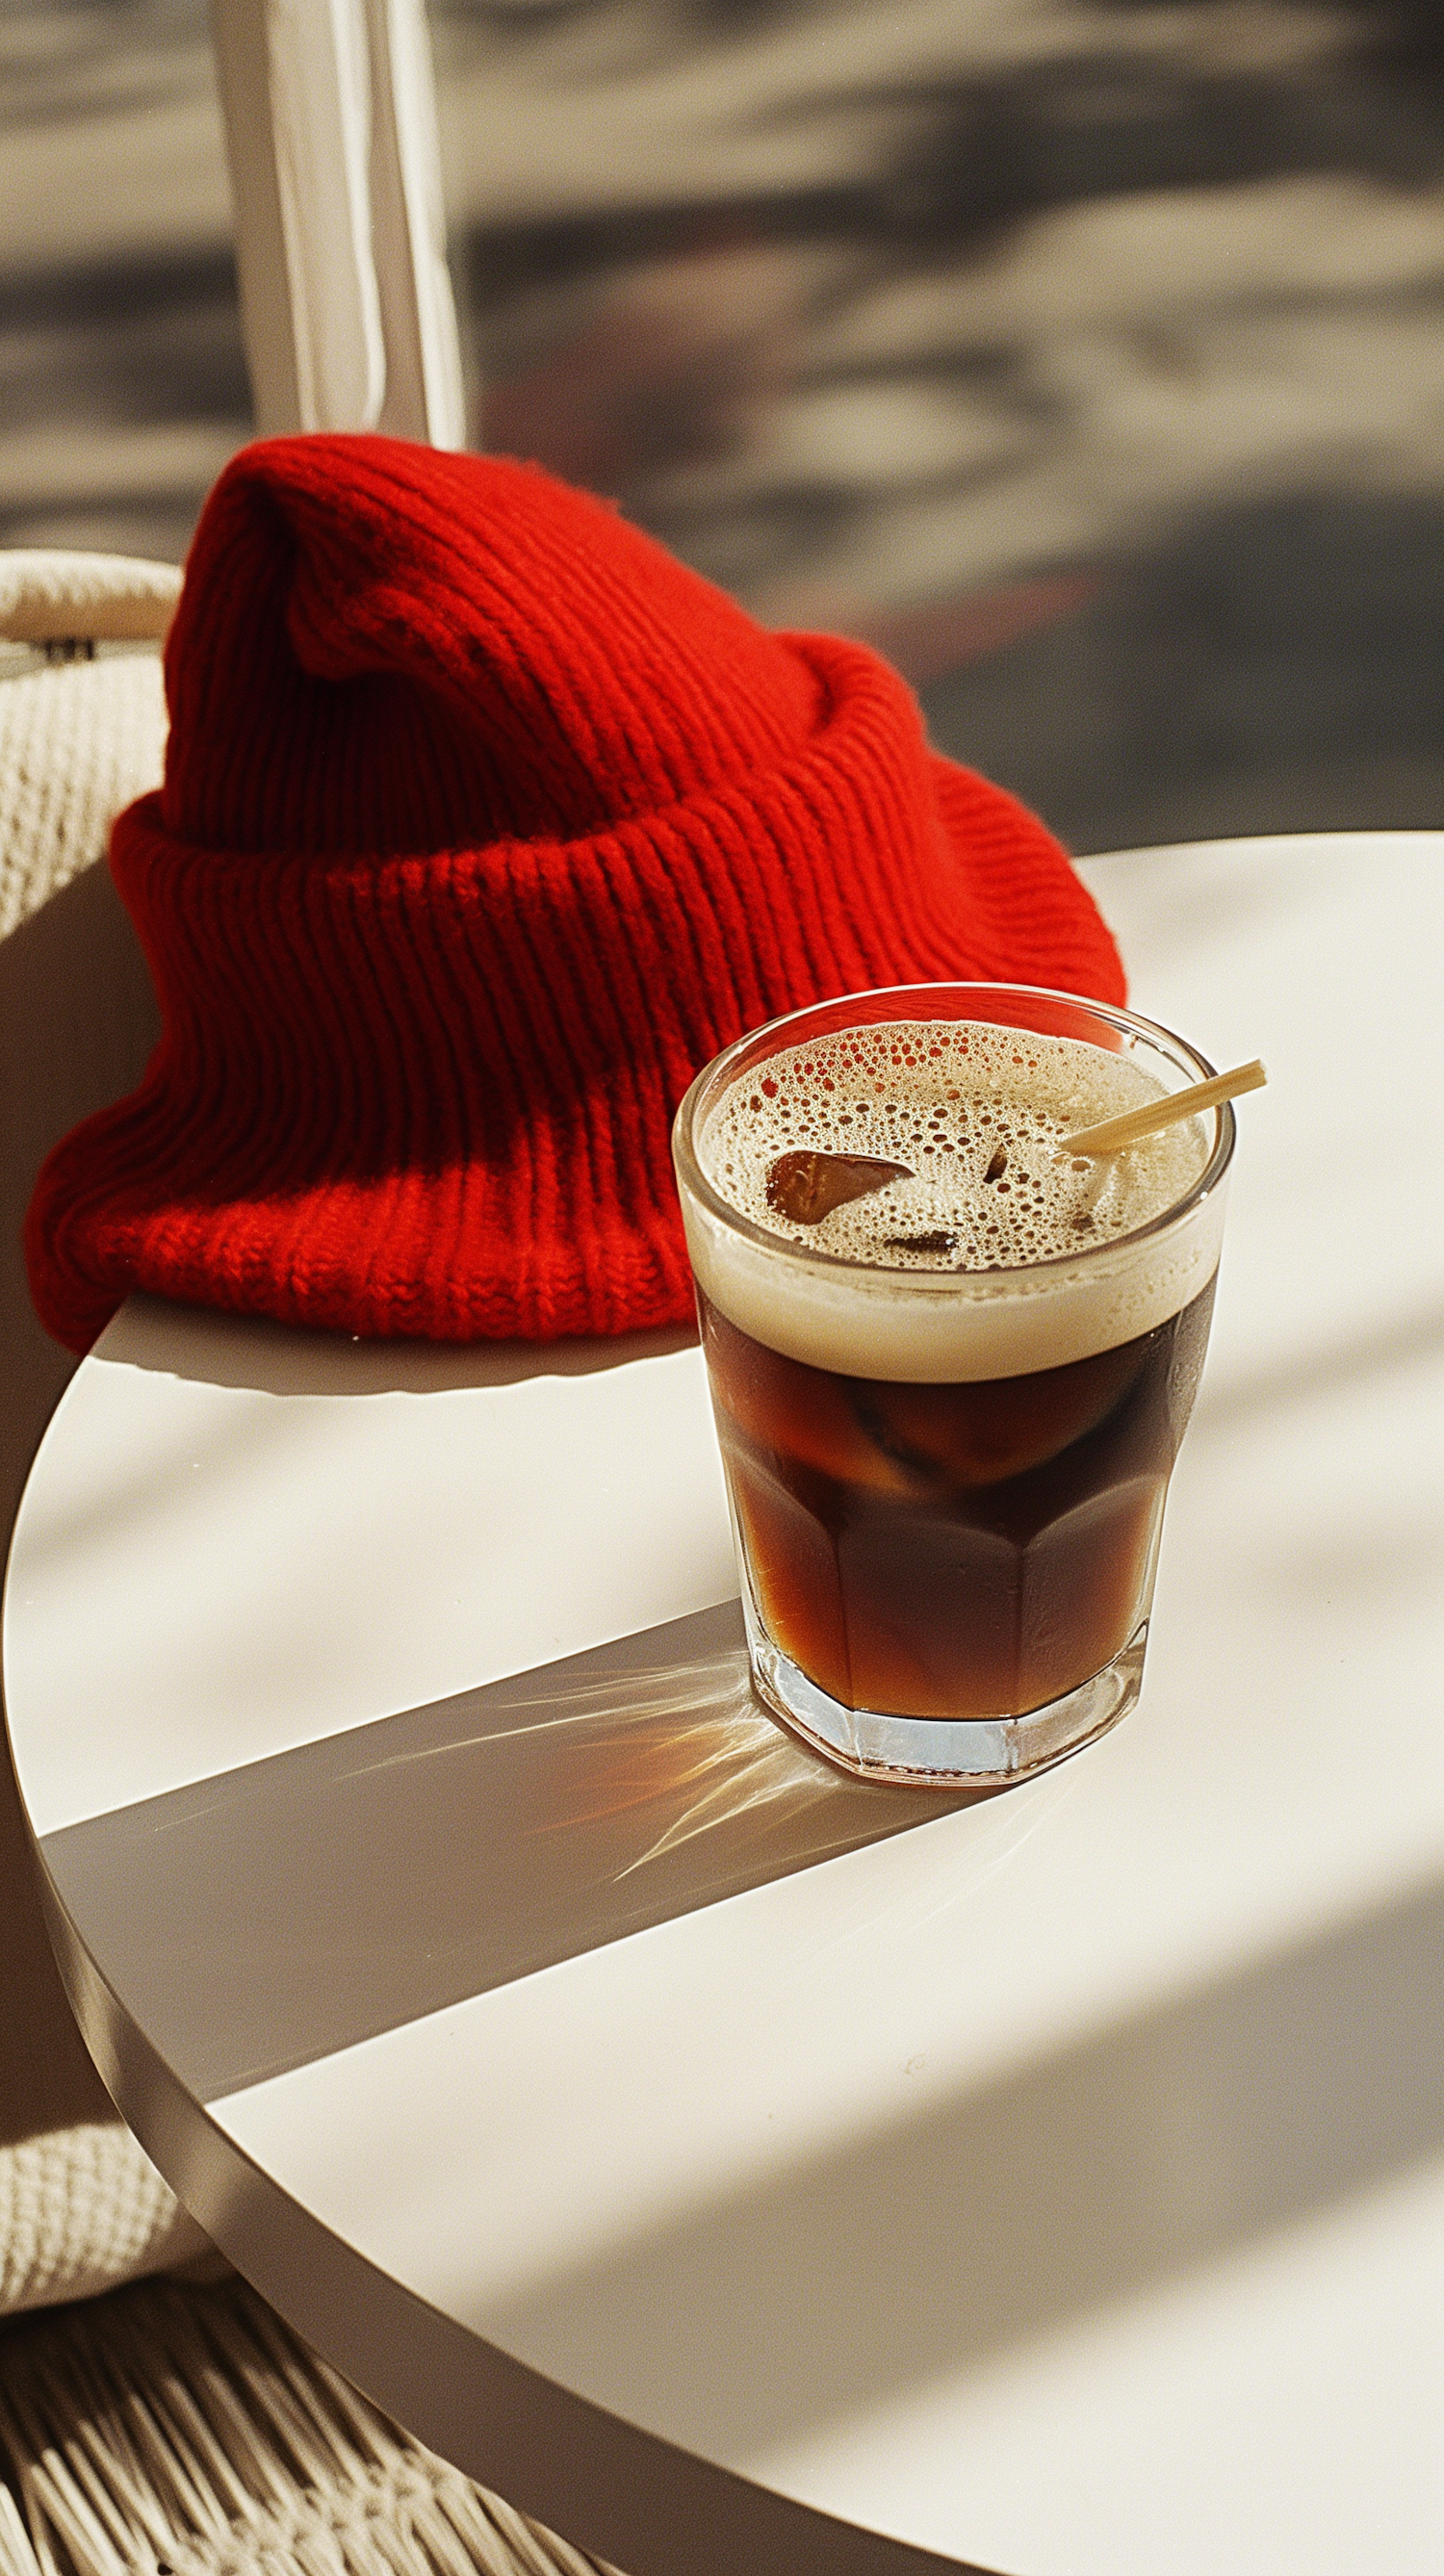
<point x="1396" y="1344"/>
<point x="258" y="1920"/>
<point x="216" y="1349"/>
<point x="1169" y="2142"/>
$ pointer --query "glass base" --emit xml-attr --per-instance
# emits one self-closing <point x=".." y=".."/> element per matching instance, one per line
<point x="933" y="1752"/>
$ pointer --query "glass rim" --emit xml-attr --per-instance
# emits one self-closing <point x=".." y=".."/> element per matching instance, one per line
<point x="943" y="1282"/>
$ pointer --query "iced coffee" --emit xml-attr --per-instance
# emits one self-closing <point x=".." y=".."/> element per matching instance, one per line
<point x="951" y="1362"/>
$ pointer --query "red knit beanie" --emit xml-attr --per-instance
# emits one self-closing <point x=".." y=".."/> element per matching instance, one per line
<point x="485" y="823"/>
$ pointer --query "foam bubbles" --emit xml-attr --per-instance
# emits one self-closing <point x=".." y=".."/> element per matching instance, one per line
<point x="977" y="1114"/>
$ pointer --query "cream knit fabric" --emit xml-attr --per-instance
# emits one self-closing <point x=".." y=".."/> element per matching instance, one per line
<point x="79" y="740"/>
<point x="81" y="2207"/>
<point x="80" y="2210"/>
<point x="76" y="743"/>
<point x="55" y="598"/>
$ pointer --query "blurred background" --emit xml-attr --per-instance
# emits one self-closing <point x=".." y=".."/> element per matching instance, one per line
<point x="1086" y="355"/>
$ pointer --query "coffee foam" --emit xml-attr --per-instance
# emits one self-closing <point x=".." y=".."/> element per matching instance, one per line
<point x="977" y="1114"/>
<point x="956" y="1104"/>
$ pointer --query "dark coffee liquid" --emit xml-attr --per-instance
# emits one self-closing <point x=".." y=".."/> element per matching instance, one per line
<point x="957" y="1551"/>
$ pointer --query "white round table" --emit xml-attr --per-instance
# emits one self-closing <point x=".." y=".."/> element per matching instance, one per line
<point x="740" y="2168"/>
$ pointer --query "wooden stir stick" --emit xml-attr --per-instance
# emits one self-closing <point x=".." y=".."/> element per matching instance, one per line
<point x="1112" y="1134"/>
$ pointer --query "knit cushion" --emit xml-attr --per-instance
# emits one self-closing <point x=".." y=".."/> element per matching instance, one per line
<point x="485" y="823"/>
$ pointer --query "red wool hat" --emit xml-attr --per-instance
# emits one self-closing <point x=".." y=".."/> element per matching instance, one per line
<point x="485" y="824"/>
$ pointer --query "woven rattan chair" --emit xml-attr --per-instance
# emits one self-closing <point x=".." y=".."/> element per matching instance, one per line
<point x="146" y="2424"/>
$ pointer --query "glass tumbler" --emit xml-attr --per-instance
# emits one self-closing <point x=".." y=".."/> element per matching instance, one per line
<point x="947" y="1484"/>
